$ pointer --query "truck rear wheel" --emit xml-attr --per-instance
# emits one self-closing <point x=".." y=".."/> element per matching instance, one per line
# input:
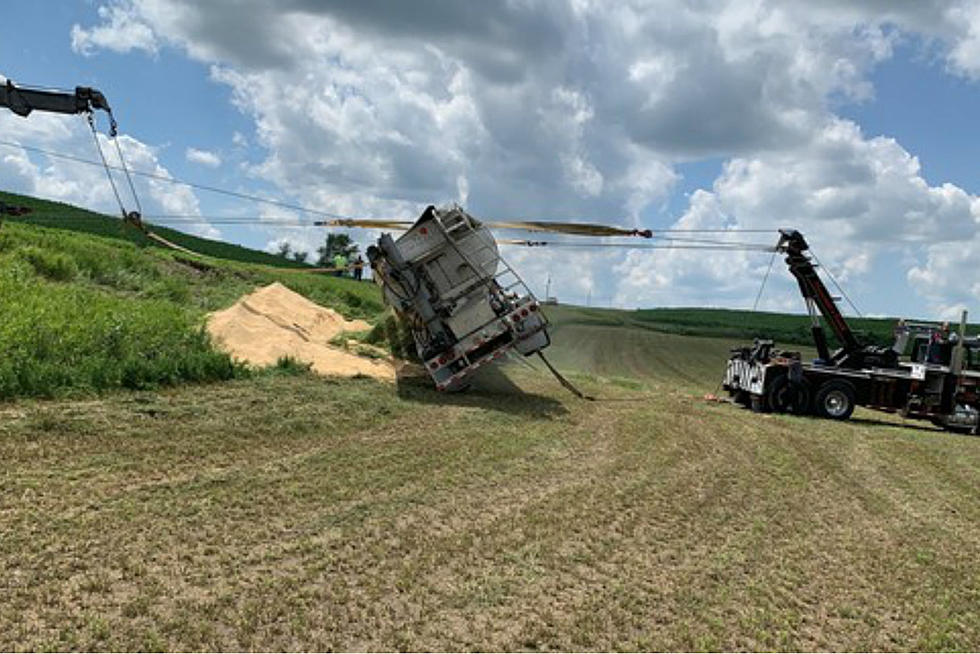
<point x="835" y="400"/>
<point x="789" y="397"/>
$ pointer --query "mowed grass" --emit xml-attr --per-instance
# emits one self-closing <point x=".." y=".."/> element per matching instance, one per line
<point x="303" y="513"/>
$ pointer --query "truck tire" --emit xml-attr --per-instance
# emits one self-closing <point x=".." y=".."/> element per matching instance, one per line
<point x="758" y="404"/>
<point x="786" y="396"/>
<point x="835" y="400"/>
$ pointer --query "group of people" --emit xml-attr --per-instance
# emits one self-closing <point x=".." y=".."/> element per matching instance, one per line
<point x="341" y="266"/>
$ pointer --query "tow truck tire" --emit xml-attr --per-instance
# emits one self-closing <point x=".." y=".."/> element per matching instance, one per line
<point x="787" y="397"/>
<point x="835" y="400"/>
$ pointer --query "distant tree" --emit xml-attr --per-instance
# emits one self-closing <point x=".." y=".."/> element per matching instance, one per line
<point x="284" y="250"/>
<point x="299" y="257"/>
<point x="335" y="244"/>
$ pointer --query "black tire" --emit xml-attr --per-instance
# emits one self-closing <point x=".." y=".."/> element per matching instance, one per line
<point x="785" y="396"/>
<point x="759" y="404"/>
<point x="742" y="398"/>
<point x="835" y="400"/>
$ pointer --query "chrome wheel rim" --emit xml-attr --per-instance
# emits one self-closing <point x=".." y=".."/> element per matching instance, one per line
<point x="836" y="403"/>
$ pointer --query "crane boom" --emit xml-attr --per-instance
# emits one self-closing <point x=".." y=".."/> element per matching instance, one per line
<point x="817" y="297"/>
<point x="22" y="101"/>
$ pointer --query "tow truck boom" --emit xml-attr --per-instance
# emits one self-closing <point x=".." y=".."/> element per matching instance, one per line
<point x="22" y="101"/>
<point x="816" y="295"/>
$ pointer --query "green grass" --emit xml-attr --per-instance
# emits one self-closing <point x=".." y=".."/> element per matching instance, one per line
<point x="736" y="325"/>
<point x="46" y="213"/>
<point x="288" y="512"/>
<point x="85" y="313"/>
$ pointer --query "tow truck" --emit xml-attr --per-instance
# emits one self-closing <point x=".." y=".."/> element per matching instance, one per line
<point x="938" y="383"/>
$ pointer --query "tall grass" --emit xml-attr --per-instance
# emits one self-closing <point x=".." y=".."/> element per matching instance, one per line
<point x="45" y="213"/>
<point x="57" y="337"/>
<point x="83" y="313"/>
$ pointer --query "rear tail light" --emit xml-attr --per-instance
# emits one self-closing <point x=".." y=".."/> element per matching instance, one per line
<point x="524" y="312"/>
<point x="533" y="307"/>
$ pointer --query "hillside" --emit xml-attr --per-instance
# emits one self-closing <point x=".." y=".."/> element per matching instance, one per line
<point x="736" y="326"/>
<point x="281" y="513"/>
<point x="85" y="312"/>
<point x="288" y="512"/>
<point x="45" y="213"/>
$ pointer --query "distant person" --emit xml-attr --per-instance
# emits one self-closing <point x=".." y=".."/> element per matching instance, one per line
<point x="938" y="343"/>
<point x="358" y="268"/>
<point x="339" y="264"/>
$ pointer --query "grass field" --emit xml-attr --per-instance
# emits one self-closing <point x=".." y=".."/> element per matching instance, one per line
<point x="300" y="513"/>
<point x="45" y="213"/>
<point x="84" y="313"/>
<point x="280" y="511"/>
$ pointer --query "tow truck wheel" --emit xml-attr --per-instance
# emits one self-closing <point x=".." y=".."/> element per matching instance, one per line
<point x="787" y="397"/>
<point x="835" y="400"/>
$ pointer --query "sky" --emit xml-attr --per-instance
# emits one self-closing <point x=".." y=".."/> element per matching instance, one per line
<point x="852" y="122"/>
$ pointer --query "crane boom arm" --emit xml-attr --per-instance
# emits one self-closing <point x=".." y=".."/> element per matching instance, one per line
<point x="816" y="295"/>
<point x="22" y="101"/>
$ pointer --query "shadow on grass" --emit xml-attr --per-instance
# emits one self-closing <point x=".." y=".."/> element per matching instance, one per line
<point x="917" y="425"/>
<point x="490" y="389"/>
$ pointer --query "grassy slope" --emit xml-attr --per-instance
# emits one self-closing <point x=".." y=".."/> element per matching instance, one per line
<point x="295" y="513"/>
<point x="734" y="325"/>
<point x="85" y="312"/>
<point x="62" y="216"/>
<point x="301" y="513"/>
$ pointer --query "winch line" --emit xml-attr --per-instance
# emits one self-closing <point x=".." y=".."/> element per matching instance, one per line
<point x="174" y="180"/>
<point x="338" y="220"/>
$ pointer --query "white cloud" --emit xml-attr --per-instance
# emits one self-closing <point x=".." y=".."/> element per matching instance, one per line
<point x="87" y="186"/>
<point x="855" y="199"/>
<point x="203" y="157"/>
<point x="553" y="110"/>
<point x="121" y="31"/>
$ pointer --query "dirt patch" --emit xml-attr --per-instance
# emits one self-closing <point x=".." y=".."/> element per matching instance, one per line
<point x="275" y="322"/>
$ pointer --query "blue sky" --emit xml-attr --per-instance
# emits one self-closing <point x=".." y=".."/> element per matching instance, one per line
<point x="855" y="124"/>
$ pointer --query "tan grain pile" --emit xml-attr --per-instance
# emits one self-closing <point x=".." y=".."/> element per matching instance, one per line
<point x="274" y="322"/>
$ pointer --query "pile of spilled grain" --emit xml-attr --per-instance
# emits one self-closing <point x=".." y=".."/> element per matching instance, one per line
<point x="275" y="322"/>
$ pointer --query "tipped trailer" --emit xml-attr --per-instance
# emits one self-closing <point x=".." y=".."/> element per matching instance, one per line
<point x="466" y="307"/>
<point x="940" y="382"/>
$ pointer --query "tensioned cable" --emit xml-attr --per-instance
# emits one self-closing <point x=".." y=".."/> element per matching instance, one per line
<point x="174" y="180"/>
<point x="765" y="278"/>
<point x="748" y="247"/>
<point x="347" y="221"/>
<point x="406" y="224"/>
<point x="105" y="164"/>
<point x="132" y="189"/>
<point x="838" y="286"/>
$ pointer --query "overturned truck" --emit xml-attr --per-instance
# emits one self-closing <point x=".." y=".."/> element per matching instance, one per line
<point x="939" y="382"/>
<point x="465" y="306"/>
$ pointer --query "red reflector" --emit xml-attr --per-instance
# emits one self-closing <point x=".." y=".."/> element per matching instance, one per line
<point x="515" y="317"/>
<point x="524" y="312"/>
<point x="534" y="307"/>
<point x="423" y="231"/>
<point x="442" y="360"/>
